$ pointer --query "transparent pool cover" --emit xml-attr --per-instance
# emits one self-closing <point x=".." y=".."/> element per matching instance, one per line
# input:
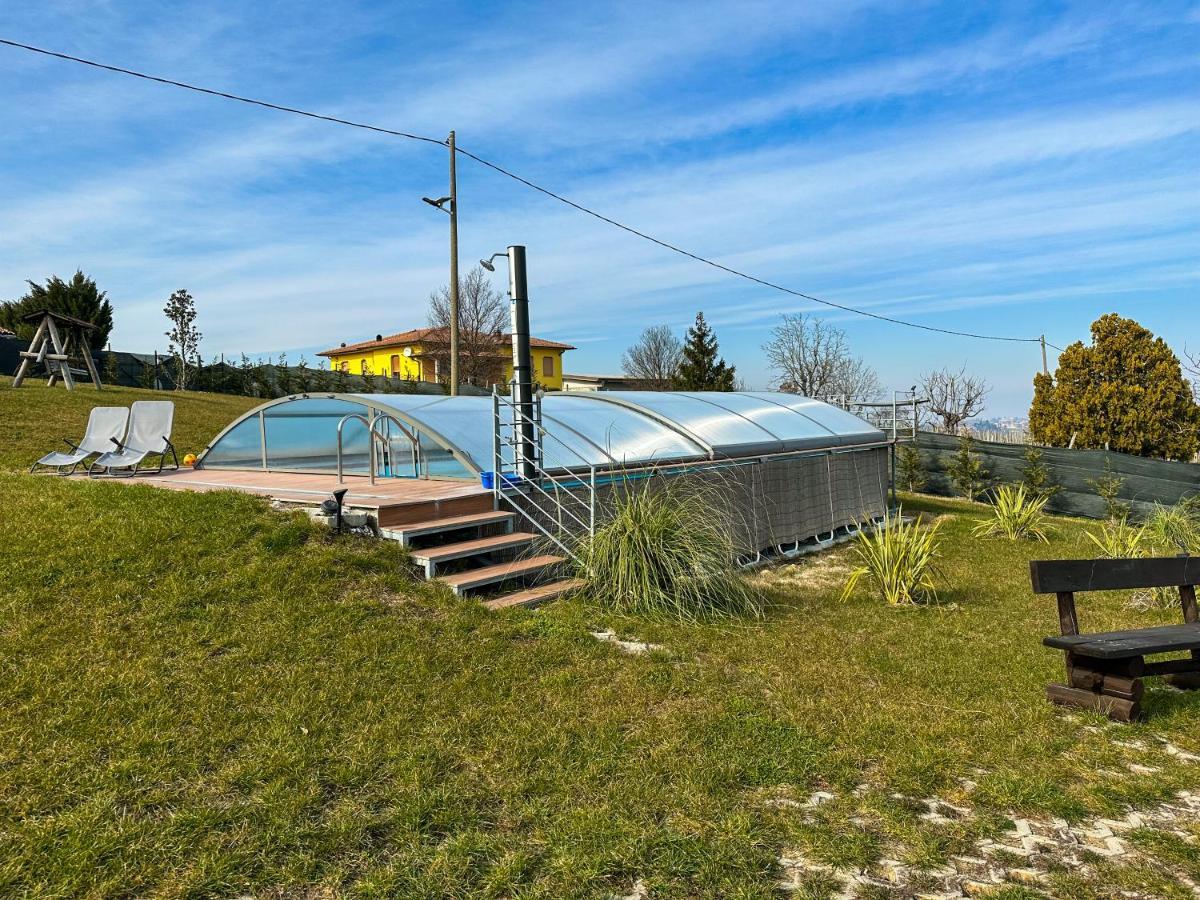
<point x="615" y="428"/>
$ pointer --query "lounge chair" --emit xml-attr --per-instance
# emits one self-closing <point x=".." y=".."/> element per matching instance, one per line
<point x="105" y="424"/>
<point x="149" y="435"/>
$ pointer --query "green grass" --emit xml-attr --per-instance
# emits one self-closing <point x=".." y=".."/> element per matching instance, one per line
<point x="203" y="697"/>
<point x="36" y="418"/>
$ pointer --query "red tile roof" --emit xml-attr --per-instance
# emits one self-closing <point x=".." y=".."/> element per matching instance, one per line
<point x="432" y="335"/>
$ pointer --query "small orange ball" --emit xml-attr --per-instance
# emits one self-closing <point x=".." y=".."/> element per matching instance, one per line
<point x="190" y="459"/>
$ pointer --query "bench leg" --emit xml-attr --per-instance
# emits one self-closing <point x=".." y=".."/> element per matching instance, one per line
<point x="1114" y="689"/>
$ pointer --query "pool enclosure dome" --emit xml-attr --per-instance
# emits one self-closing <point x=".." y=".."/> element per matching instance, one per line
<point x="455" y="437"/>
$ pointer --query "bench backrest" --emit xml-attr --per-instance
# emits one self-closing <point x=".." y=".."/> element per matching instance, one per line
<point x="1071" y="575"/>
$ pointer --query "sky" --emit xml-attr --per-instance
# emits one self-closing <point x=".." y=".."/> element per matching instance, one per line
<point x="1013" y="169"/>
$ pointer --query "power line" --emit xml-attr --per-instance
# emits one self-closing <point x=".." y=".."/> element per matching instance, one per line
<point x="666" y="245"/>
<point x="224" y="95"/>
<point x="732" y="271"/>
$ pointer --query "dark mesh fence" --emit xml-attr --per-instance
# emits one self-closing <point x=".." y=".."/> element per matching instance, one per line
<point x="770" y="503"/>
<point x="1145" y="481"/>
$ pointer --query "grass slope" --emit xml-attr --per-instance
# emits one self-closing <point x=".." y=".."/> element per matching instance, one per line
<point x="203" y="697"/>
<point x="36" y="418"/>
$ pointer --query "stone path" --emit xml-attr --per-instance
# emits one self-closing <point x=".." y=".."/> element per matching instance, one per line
<point x="1023" y="855"/>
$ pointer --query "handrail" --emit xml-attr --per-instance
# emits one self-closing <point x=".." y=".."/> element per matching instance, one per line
<point x="539" y="427"/>
<point x="370" y="445"/>
<point x="413" y="437"/>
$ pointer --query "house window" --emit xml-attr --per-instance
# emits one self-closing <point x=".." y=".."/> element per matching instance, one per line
<point x="395" y="365"/>
<point x="345" y="365"/>
<point x="548" y="365"/>
<point x="365" y="370"/>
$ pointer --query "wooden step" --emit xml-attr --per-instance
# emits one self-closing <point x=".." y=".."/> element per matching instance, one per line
<point x="398" y="515"/>
<point x="461" y="582"/>
<point x="429" y="557"/>
<point x="534" y="596"/>
<point x="405" y="533"/>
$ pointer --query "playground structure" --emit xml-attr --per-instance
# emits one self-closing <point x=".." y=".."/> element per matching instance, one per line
<point x="51" y="347"/>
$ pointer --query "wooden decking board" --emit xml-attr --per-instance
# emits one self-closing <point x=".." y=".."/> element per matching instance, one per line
<point x="295" y="487"/>
<point x="465" y="581"/>
<point x="462" y="549"/>
<point x="536" y="595"/>
<point x="449" y="523"/>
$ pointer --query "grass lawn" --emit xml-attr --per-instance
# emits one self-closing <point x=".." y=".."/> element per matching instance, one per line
<point x="203" y="697"/>
<point x="34" y="418"/>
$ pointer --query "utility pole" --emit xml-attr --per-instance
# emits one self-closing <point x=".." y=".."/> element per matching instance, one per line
<point x="453" y="270"/>
<point x="1045" y="366"/>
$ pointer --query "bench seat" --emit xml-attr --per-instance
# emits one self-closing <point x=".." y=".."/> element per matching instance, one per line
<point x="1105" y="669"/>
<point x="1126" y="644"/>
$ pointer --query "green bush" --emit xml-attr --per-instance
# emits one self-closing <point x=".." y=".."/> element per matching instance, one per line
<point x="1117" y="539"/>
<point x="667" y="550"/>
<point x="899" y="559"/>
<point x="910" y="470"/>
<point x="1016" y="515"/>
<point x="966" y="470"/>
<point x="1108" y="488"/>
<point x="1176" y="529"/>
<point x="1035" y="474"/>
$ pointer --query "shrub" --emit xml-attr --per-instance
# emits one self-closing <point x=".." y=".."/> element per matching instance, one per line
<point x="1107" y="488"/>
<point x="667" y="550"/>
<point x="1016" y="515"/>
<point x="910" y="471"/>
<point x="1176" y="529"/>
<point x="1117" y="539"/>
<point x="966" y="470"/>
<point x="1035" y="474"/>
<point x="899" y="559"/>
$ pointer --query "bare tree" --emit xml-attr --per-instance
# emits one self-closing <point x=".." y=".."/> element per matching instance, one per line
<point x="184" y="336"/>
<point x="482" y="316"/>
<point x="653" y="359"/>
<point x="811" y="357"/>
<point x="855" y="380"/>
<point x="1192" y="366"/>
<point x="953" y="397"/>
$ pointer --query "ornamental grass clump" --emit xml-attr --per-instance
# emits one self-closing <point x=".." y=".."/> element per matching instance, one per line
<point x="1117" y="539"/>
<point x="667" y="550"/>
<point x="899" y="560"/>
<point x="1017" y="515"/>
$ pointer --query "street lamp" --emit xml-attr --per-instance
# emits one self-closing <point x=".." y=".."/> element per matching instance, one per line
<point x="449" y="205"/>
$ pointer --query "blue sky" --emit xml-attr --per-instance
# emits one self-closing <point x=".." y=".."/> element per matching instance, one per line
<point x="992" y="167"/>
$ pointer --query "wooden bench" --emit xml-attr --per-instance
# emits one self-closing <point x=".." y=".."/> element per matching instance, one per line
<point x="1105" y="670"/>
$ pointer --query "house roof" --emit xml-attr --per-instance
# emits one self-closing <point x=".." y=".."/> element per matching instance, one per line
<point x="432" y="335"/>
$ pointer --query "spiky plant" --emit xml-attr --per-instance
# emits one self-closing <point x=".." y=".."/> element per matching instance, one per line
<point x="1117" y="539"/>
<point x="899" y="559"/>
<point x="667" y="550"/>
<point x="1176" y="529"/>
<point x="1017" y="515"/>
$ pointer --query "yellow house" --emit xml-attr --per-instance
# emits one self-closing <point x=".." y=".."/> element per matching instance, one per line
<point x="421" y="355"/>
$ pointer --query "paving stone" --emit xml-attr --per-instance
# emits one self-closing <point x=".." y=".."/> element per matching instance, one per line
<point x="1026" y="876"/>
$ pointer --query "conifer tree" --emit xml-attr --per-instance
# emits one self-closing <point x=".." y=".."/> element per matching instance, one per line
<point x="700" y="368"/>
<point x="1125" y="392"/>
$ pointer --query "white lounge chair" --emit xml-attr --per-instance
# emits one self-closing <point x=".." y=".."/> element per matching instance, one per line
<point x="105" y="424"/>
<point x="149" y="435"/>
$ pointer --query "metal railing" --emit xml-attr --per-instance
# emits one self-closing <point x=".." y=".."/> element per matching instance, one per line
<point x="899" y="417"/>
<point x="374" y="437"/>
<point x="561" y="505"/>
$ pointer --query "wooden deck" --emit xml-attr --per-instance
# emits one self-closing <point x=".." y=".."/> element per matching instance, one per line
<point x="312" y="489"/>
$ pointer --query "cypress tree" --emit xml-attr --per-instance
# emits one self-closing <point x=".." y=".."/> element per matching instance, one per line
<point x="1125" y="392"/>
<point x="700" y="368"/>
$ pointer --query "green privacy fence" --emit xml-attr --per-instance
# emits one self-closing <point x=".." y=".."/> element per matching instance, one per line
<point x="1146" y="481"/>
